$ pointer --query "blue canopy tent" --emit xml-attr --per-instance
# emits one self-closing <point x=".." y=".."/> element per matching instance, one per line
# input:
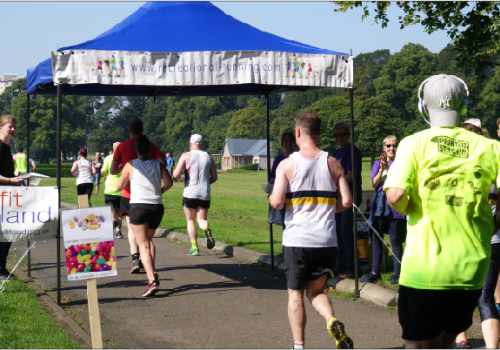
<point x="186" y="48"/>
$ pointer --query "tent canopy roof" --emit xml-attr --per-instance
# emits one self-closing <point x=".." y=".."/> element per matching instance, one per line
<point x="189" y="26"/>
<point x="174" y="27"/>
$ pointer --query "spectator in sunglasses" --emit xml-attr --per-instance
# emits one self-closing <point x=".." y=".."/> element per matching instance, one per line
<point x="384" y="218"/>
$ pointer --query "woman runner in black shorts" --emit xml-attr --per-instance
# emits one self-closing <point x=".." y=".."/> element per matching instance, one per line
<point x="146" y="209"/>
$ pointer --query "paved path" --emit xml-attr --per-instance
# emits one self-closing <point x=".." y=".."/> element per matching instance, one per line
<point x="209" y="301"/>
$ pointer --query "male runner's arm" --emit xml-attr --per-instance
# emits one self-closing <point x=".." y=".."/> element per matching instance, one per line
<point x="213" y="171"/>
<point x="338" y="175"/>
<point x="125" y="177"/>
<point x="398" y="199"/>
<point x="278" y="196"/>
<point x="181" y="166"/>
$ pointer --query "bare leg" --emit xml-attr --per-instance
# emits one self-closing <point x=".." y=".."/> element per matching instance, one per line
<point x="131" y="238"/>
<point x="145" y="250"/>
<point x="491" y="330"/>
<point x="202" y="218"/>
<point x="152" y="248"/>
<point x="296" y="315"/>
<point x="316" y="293"/>
<point x="191" y="228"/>
<point x="461" y="338"/>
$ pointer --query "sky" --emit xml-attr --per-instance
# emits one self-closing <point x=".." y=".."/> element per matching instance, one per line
<point x="29" y="31"/>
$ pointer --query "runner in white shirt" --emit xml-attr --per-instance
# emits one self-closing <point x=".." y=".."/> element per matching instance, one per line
<point x="84" y="171"/>
<point x="199" y="173"/>
<point x="312" y="187"/>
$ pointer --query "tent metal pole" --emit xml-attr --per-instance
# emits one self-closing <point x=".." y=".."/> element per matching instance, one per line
<point x="354" y="196"/>
<point x="28" y="127"/>
<point x="58" y="176"/>
<point x="268" y="147"/>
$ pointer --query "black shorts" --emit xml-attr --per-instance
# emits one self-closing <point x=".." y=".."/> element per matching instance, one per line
<point x="150" y="214"/>
<point x="307" y="264"/>
<point x="194" y="203"/>
<point x="85" y="188"/>
<point x="124" y="206"/>
<point x="425" y="314"/>
<point x="113" y="201"/>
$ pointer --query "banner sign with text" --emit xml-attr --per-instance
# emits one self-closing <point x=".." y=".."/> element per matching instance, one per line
<point x="201" y="68"/>
<point x="89" y="247"/>
<point x="28" y="212"/>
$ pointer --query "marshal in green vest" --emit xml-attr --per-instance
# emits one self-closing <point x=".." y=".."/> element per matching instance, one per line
<point x="20" y="164"/>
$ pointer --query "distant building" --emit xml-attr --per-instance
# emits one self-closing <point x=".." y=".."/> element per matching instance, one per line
<point x="7" y="80"/>
<point x="241" y="152"/>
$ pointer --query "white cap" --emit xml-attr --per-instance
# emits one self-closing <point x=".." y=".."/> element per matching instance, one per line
<point x="195" y="138"/>
<point x="442" y="94"/>
<point x="474" y="121"/>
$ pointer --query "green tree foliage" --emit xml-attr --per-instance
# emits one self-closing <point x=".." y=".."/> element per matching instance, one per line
<point x="488" y="107"/>
<point x="385" y="102"/>
<point x="473" y="27"/>
<point x="249" y="122"/>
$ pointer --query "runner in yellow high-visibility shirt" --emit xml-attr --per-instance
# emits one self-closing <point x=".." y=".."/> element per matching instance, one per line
<point x="441" y="179"/>
<point x="20" y="164"/>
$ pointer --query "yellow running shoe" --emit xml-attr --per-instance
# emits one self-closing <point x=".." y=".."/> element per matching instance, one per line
<point x="336" y="330"/>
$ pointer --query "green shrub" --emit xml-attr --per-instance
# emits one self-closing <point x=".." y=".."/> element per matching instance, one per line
<point x="50" y="169"/>
<point x="249" y="167"/>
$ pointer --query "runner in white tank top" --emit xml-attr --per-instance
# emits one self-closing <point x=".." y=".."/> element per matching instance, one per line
<point x="84" y="170"/>
<point x="146" y="209"/>
<point x="310" y="205"/>
<point x="199" y="173"/>
<point x="313" y="187"/>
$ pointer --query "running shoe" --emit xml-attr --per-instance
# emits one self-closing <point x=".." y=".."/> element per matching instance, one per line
<point x="136" y="265"/>
<point x="336" y="330"/>
<point x="210" y="239"/>
<point x="193" y="251"/>
<point x="5" y="275"/>
<point x="464" y="344"/>
<point x="394" y="279"/>
<point x="151" y="289"/>
<point x="369" y="278"/>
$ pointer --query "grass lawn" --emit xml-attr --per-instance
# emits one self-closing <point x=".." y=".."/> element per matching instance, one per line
<point x="238" y="213"/>
<point x="25" y="324"/>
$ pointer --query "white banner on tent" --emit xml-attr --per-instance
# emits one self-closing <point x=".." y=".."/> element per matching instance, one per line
<point x="27" y="212"/>
<point x="201" y="68"/>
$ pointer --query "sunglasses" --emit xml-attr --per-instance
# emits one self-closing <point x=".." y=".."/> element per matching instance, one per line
<point x="390" y="146"/>
<point x="340" y="134"/>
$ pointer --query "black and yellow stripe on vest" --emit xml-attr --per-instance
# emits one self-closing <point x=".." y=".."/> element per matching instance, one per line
<point x="300" y="198"/>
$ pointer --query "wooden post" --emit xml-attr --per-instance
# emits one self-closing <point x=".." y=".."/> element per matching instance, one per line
<point x="94" y="315"/>
<point x="92" y="297"/>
